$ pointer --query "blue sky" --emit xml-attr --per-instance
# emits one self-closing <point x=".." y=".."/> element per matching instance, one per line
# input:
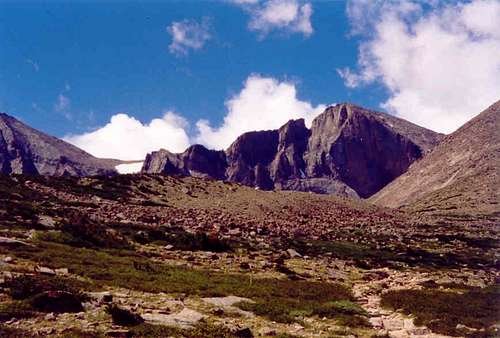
<point x="113" y="57"/>
<point x="68" y="67"/>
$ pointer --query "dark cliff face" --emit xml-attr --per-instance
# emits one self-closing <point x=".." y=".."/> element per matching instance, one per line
<point x="24" y="150"/>
<point x="348" y="151"/>
<point x="249" y="158"/>
<point x="359" y="149"/>
<point x="195" y="161"/>
<point x="289" y="161"/>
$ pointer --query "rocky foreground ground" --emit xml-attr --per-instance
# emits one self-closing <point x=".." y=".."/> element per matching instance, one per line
<point x="158" y="256"/>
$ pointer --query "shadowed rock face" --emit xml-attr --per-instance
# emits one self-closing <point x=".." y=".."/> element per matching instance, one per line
<point x="195" y="161"/>
<point x="461" y="175"/>
<point x="349" y="151"/>
<point x="359" y="148"/>
<point x="24" y="150"/>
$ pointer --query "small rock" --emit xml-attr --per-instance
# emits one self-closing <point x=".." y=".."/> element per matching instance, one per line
<point x="462" y="327"/>
<point x="118" y="333"/>
<point x="5" y="241"/>
<point x="393" y="324"/>
<point x="8" y="259"/>
<point x="169" y="247"/>
<point x="46" y="221"/>
<point x="50" y="316"/>
<point x="187" y="318"/>
<point x="268" y="332"/>
<point x="376" y="322"/>
<point x="226" y="301"/>
<point x="44" y="270"/>
<point x="62" y="271"/>
<point x="293" y="253"/>
<point x="234" y="232"/>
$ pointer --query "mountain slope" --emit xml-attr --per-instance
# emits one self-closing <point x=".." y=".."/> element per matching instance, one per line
<point x="348" y="151"/>
<point x="460" y="174"/>
<point x="24" y="150"/>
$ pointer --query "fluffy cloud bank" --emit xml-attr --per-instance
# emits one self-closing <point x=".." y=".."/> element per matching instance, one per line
<point x="440" y="62"/>
<point x="188" y="35"/>
<point x="284" y="15"/>
<point x="263" y="103"/>
<point x="126" y="138"/>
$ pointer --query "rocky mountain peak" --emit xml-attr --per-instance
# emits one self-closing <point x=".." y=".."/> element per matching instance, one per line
<point x="349" y="151"/>
<point x="24" y="150"/>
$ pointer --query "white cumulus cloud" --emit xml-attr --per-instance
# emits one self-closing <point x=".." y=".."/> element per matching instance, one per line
<point x="439" y="61"/>
<point x="282" y="15"/>
<point x="263" y="103"/>
<point x="188" y="35"/>
<point x="126" y="138"/>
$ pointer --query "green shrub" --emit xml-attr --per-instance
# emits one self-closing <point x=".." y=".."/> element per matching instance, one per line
<point x="57" y="302"/>
<point x="17" y="309"/>
<point x="183" y="240"/>
<point x="442" y="310"/>
<point x="26" y="286"/>
<point x="345" y="307"/>
<point x="81" y="231"/>
<point x="280" y="299"/>
<point x="204" y="330"/>
<point x="123" y="316"/>
<point x="10" y="332"/>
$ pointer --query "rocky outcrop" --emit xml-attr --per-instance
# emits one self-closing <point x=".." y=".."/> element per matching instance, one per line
<point x="460" y="175"/>
<point x="348" y="151"/>
<point x="364" y="149"/>
<point x="24" y="150"/>
<point x="195" y="161"/>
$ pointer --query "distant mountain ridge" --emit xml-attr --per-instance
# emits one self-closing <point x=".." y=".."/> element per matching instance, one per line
<point x="24" y="150"/>
<point x="349" y="151"/>
<point x="462" y="173"/>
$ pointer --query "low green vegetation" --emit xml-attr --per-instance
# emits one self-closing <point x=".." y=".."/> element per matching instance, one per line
<point x="27" y="286"/>
<point x="282" y="299"/>
<point x="6" y="331"/>
<point x="363" y="255"/>
<point x="442" y="310"/>
<point x="179" y="238"/>
<point x="16" y="309"/>
<point x="289" y="310"/>
<point x="204" y="330"/>
<point x="123" y="317"/>
<point x="368" y="257"/>
<point x="30" y="295"/>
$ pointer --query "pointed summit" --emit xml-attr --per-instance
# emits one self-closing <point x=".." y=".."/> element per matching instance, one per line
<point x="24" y="150"/>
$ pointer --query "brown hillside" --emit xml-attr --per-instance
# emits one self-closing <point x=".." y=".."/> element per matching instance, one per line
<point x="460" y="176"/>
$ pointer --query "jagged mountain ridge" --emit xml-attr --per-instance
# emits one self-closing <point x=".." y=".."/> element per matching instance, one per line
<point x="24" y="150"/>
<point x="348" y="150"/>
<point x="460" y="174"/>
